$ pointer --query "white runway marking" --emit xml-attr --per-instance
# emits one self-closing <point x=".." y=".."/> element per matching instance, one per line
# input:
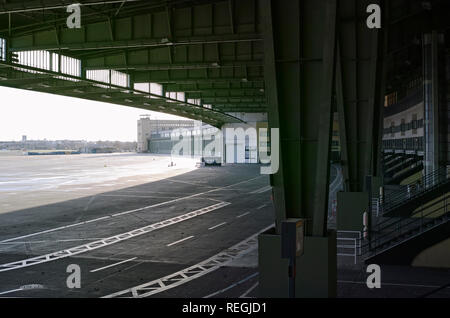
<point x="216" y="226"/>
<point x="179" y="241"/>
<point x="244" y="295"/>
<point x="135" y="196"/>
<point x="262" y="190"/>
<point x="246" y="213"/>
<point x="25" y="287"/>
<point x="10" y="291"/>
<point x="126" y="212"/>
<point x="191" y="183"/>
<point x="112" y="265"/>
<point x="55" y="229"/>
<point x="152" y="192"/>
<point x="53" y="241"/>
<point x="232" y="286"/>
<point x="89" y="203"/>
<point x="107" y="241"/>
<point x="188" y="274"/>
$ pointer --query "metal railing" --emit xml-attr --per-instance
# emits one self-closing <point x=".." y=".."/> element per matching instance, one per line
<point x="411" y="191"/>
<point x="397" y="230"/>
<point x="376" y="206"/>
<point x="349" y="242"/>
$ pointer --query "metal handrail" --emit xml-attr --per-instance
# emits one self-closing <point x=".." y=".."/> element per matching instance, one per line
<point x="399" y="227"/>
<point x="356" y="246"/>
<point x="411" y="191"/>
<point x="394" y="221"/>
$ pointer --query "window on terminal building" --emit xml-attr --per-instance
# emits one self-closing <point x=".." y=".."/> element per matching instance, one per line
<point x="414" y="124"/>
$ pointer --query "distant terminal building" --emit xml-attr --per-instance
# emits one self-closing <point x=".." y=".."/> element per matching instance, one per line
<point x="239" y="142"/>
<point x="148" y="127"/>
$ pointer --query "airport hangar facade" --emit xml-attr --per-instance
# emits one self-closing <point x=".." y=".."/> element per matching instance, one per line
<point x="297" y="61"/>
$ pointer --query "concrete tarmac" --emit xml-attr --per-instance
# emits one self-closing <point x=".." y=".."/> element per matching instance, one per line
<point x="152" y="234"/>
<point x="224" y="206"/>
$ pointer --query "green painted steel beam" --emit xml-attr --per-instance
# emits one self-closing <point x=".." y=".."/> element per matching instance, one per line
<point x="200" y="87"/>
<point x="299" y="65"/>
<point x="128" y="95"/>
<point x="358" y="93"/>
<point x="196" y="23"/>
<point x="138" y="65"/>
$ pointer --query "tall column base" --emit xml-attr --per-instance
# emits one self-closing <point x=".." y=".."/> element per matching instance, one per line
<point x="316" y="270"/>
<point x="350" y="209"/>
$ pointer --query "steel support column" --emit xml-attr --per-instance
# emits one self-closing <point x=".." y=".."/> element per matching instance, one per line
<point x="299" y="64"/>
<point x="299" y="46"/>
<point x="359" y="91"/>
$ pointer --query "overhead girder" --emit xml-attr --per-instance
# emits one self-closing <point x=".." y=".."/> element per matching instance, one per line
<point x="178" y="76"/>
<point x="199" y="92"/>
<point x="29" y="42"/>
<point x="226" y="54"/>
<point x="174" y="66"/>
<point x="234" y="100"/>
<point x="189" y="24"/>
<point x="68" y="85"/>
<point x="113" y="94"/>
<point x="217" y="42"/>
<point x="205" y="87"/>
<point x="219" y="80"/>
<point x="216" y="95"/>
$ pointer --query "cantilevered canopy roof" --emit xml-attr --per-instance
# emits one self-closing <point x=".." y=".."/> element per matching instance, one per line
<point x="212" y="51"/>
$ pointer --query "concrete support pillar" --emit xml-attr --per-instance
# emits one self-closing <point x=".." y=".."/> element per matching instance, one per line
<point x="300" y="47"/>
<point x="431" y="54"/>
<point x="316" y="269"/>
<point x="350" y="209"/>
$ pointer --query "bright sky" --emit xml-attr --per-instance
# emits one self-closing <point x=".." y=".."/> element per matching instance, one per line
<point x="41" y="115"/>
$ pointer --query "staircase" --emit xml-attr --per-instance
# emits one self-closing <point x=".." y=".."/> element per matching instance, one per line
<point x="398" y="177"/>
<point x="403" y="201"/>
<point x="399" y="240"/>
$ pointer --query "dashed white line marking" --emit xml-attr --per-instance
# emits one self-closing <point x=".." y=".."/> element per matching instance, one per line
<point x="188" y="274"/>
<point x="55" y="229"/>
<point x="89" y="203"/>
<point x="127" y="212"/>
<point x="262" y="190"/>
<point x="244" y="295"/>
<point x="246" y="213"/>
<point x="179" y="241"/>
<point x="260" y="207"/>
<point x="216" y="226"/>
<point x="109" y="240"/>
<point x="10" y="291"/>
<point x="112" y="265"/>
<point x="136" y="196"/>
<point x="24" y="287"/>
<point x="53" y="241"/>
<point x="232" y="286"/>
